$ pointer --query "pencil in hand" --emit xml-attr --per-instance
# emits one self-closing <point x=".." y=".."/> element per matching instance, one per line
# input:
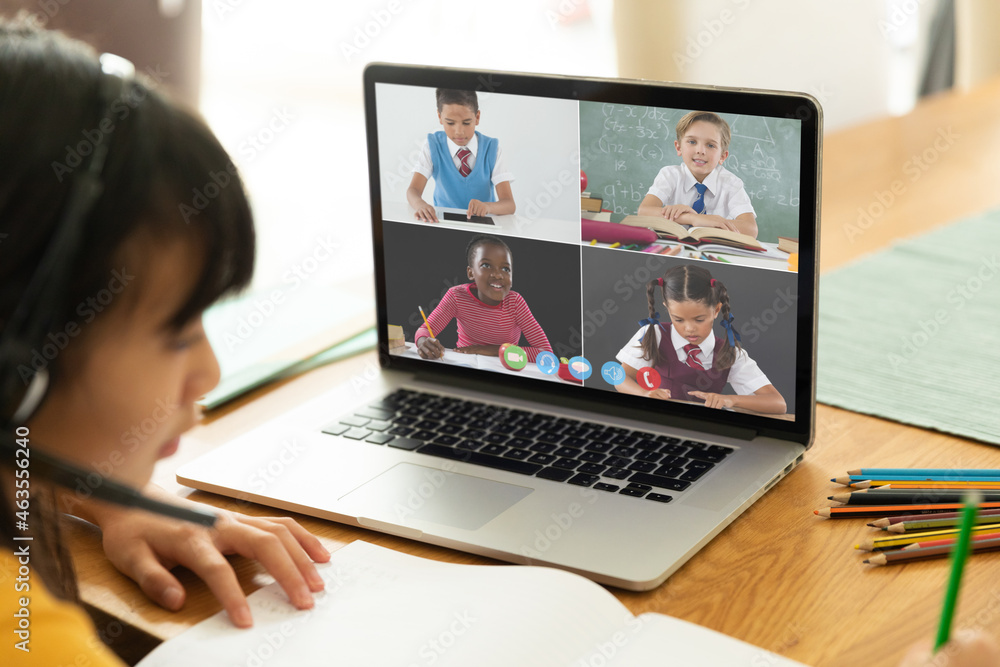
<point x="426" y="323"/>
<point x="958" y="559"/>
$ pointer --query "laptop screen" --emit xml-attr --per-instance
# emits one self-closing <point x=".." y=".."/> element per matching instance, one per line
<point x="646" y="244"/>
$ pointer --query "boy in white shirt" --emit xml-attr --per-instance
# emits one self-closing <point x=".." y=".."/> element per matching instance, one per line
<point x="699" y="191"/>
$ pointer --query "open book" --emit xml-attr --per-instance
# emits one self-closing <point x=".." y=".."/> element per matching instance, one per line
<point x="695" y="235"/>
<point x="382" y="607"/>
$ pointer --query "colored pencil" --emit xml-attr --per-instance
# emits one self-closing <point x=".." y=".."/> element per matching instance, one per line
<point x="615" y="244"/>
<point x="963" y="486"/>
<point x="882" y="473"/>
<point x="895" y="541"/>
<point x="946" y="541"/>
<point x="888" y="521"/>
<point x="906" y="497"/>
<point x="887" y="479"/>
<point x="960" y="555"/>
<point x="861" y="511"/>
<point x="593" y="241"/>
<point x="903" y="555"/>
<point x="426" y="323"/>
<point x="936" y="524"/>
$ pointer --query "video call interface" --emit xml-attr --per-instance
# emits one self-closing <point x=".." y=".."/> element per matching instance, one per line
<point x="641" y="250"/>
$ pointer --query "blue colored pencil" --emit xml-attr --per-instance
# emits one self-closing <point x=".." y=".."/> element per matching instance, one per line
<point x="910" y="478"/>
<point x="881" y="473"/>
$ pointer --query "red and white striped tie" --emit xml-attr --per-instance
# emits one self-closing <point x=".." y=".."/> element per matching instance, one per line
<point x="692" y="356"/>
<point x="463" y="155"/>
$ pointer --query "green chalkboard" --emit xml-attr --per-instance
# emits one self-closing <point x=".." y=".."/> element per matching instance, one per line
<point x="624" y="147"/>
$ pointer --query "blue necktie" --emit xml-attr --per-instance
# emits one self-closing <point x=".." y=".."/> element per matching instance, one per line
<point x="699" y="203"/>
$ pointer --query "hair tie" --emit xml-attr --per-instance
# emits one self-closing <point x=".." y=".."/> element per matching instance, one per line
<point x="653" y="319"/>
<point x="727" y="324"/>
<point x="712" y="282"/>
<point x="659" y="281"/>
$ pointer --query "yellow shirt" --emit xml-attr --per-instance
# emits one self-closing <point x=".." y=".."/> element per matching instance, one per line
<point x="37" y="628"/>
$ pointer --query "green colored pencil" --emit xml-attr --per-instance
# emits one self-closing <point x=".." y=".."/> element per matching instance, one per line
<point x="958" y="558"/>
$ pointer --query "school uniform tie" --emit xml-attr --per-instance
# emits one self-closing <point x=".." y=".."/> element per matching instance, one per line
<point x="699" y="203"/>
<point x="463" y="155"/>
<point x="693" y="351"/>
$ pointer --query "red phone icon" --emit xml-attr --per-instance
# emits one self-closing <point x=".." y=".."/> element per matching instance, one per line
<point x="648" y="378"/>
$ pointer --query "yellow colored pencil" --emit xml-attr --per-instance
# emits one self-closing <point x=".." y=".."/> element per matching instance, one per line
<point x="921" y="536"/>
<point x="426" y="323"/>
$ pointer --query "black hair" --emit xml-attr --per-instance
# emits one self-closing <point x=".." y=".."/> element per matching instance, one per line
<point x="156" y="186"/>
<point x="688" y="282"/>
<point x="467" y="98"/>
<point x="481" y="240"/>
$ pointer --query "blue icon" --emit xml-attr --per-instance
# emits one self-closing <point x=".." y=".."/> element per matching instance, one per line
<point x="580" y="368"/>
<point x="547" y="362"/>
<point x="613" y="373"/>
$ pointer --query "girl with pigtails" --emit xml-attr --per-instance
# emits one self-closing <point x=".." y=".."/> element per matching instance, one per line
<point x="692" y="362"/>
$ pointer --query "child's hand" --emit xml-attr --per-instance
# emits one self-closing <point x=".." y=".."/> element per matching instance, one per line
<point x="426" y="212"/>
<point x="146" y="547"/>
<point x="661" y="393"/>
<point x="674" y="211"/>
<point x="477" y="207"/>
<point x="713" y="400"/>
<point x="430" y="348"/>
<point x="966" y="649"/>
<point x="488" y="350"/>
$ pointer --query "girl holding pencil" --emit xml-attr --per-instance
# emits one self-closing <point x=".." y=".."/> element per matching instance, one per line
<point x="487" y="311"/>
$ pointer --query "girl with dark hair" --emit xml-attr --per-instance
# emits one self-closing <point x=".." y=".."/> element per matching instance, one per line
<point x="487" y="312"/>
<point x="690" y="360"/>
<point x="107" y="260"/>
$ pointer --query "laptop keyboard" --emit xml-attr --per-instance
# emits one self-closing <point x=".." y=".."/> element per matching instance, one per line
<point x="607" y="458"/>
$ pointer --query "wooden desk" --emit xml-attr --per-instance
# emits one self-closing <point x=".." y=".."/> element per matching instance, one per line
<point x="778" y="577"/>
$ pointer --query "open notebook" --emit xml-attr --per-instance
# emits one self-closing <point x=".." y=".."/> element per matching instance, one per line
<point x="382" y="607"/>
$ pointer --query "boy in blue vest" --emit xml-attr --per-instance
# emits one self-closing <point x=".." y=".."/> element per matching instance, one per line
<point x="467" y="166"/>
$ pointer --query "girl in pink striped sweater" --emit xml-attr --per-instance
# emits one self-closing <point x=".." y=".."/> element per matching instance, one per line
<point x="487" y="312"/>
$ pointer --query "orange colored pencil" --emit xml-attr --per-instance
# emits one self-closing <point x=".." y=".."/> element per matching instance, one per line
<point x="860" y="511"/>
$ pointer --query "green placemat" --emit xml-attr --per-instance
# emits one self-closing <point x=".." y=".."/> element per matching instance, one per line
<point x="912" y="333"/>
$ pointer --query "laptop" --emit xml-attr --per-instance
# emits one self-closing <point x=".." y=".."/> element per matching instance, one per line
<point x="542" y="433"/>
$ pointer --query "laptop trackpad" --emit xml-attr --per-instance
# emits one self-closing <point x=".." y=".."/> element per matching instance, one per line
<point x="408" y="492"/>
